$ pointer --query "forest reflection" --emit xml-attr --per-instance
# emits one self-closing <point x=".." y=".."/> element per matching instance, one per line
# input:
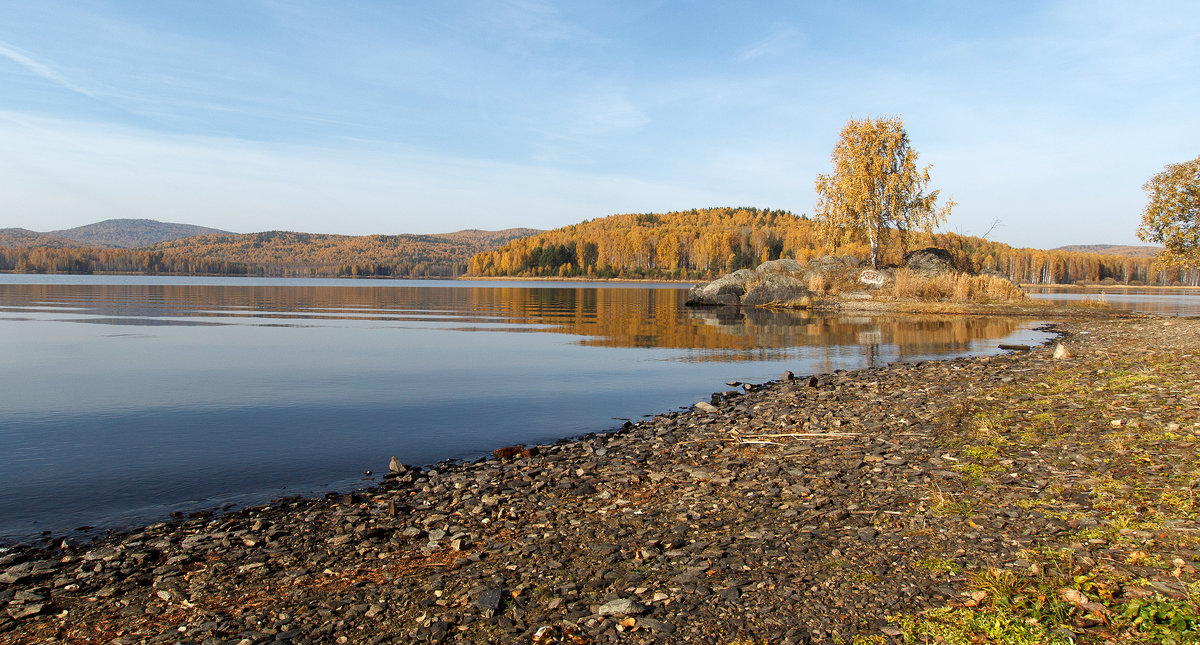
<point x="600" y="316"/>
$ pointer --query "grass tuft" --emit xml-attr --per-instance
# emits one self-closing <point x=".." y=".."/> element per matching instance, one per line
<point x="954" y="287"/>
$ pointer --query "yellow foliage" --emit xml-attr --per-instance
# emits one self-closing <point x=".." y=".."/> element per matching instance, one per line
<point x="1172" y="216"/>
<point x="876" y="187"/>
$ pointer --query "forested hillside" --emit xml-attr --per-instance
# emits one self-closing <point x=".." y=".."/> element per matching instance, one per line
<point x="703" y="243"/>
<point x="273" y="253"/>
<point x="131" y="233"/>
<point x="22" y="237"/>
<point x="1112" y="249"/>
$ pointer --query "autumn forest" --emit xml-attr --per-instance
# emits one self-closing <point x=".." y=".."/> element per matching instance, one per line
<point x="683" y="245"/>
<point x="700" y="244"/>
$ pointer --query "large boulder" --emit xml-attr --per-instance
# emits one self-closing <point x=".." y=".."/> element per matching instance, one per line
<point x="778" y="289"/>
<point x="777" y="283"/>
<point x="829" y="266"/>
<point x="930" y="261"/>
<point x="782" y="265"/>
<point x="725" y="290"/>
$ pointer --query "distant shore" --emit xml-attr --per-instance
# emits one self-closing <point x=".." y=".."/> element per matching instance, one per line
<point x="804" y="510"/>
<point x="1108" y="287"/>
<point x="1100" y="288"/>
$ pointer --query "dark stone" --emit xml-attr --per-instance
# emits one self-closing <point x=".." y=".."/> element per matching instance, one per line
<point x="490" y="599"/>
<point x="509" y="452"/>
<point x="930" y="260"/>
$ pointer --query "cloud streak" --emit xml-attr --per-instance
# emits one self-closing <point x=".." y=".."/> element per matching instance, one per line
<point x="40" y="69"/>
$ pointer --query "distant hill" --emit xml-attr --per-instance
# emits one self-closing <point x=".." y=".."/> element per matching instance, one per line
<point x="1112" y="249"/>
<point x="271" y="253"/>
<point x="20" y="237"/>
<point x="489" y="239"/>
<point x="367" y="252"/>
<point x="131" y="233"/>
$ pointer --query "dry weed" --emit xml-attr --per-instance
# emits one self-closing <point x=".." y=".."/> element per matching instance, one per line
<point x="954" y="287"/>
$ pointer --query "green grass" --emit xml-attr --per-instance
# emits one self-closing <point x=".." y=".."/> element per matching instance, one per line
<point x="936" y="565"/>
<point x="964" y="626"/>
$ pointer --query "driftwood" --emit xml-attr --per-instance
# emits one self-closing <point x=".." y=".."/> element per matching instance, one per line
<point x="813" y="435"/>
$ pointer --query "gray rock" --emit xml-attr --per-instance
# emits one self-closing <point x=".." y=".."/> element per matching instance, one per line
<point x="621" y="607"/>
<point x="782" y="265"/>
<point x="490" y="599"/>
<point x="24" y="611"/>
<point x="777" y="289"/>
<point x="725" y="290"/>
<point x="656" y="625"/>
<point x="395" y="466"/>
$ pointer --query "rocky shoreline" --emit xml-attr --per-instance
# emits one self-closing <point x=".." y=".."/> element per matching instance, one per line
<point x="806" y="510"/>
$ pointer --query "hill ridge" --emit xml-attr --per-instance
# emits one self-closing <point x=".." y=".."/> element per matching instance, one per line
<point x="131" y="233"/>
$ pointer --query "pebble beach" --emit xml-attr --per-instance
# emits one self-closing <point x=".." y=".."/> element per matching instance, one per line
<point x="816" y="508"/>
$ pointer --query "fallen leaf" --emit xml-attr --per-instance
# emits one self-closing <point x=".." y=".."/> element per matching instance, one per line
<point x="1073" y="596"/>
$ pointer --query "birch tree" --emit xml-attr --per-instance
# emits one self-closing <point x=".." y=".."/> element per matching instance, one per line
<point x="875" y="188"/>
<point x="1172" y="216"/>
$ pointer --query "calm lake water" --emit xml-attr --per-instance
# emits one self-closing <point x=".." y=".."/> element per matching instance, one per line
<point x="125" y="398"/>
<point x="1164" y="302"/>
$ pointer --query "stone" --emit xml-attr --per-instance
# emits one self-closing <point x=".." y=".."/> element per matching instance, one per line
<point x="872" y="278"/>
<point x="1062" y="352"/>
<point x="394" y="466"/>
<point x="782" y="265"/>
<point x="490" y="599"/>
<point x="509" y="452"/>
<point x="725" y="290"/>
<point x="705" y="406"/>
<point x="24" y="611"/>
<point x="621" y="607"/>
<point x="777" y="289"/>
<point x="656" y="625"/>
<point x="930" y="260"/>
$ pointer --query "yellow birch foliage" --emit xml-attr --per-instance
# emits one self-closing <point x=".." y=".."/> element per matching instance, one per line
<point x="875" y="187"/>
<point x="1172" y="217"/>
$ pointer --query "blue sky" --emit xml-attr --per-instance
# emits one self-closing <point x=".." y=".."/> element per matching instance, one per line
<point x="406" y="117"/>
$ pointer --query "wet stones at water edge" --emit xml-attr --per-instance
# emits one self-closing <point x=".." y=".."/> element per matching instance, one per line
<point x="512" y="452"/>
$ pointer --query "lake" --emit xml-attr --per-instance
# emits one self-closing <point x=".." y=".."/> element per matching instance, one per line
<point x="1175" y="301"/>
<point x="123" y="399"/>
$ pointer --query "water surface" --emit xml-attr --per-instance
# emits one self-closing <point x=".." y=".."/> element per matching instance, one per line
<point x="1163" y="302"/>
<point x="125" y="398"/>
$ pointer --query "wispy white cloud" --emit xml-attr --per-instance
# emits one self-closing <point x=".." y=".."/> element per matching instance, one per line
<point x="781" y="40"/>
<point x="40" y="69"/>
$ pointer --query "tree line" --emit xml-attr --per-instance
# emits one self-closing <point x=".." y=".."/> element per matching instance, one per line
<point x="704" y="243"/>
<point x="272" y="253"/>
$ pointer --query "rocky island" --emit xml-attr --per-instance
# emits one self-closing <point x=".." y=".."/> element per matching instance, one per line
<point x="843" y="282"/>
<point x="1049" y="492"/>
